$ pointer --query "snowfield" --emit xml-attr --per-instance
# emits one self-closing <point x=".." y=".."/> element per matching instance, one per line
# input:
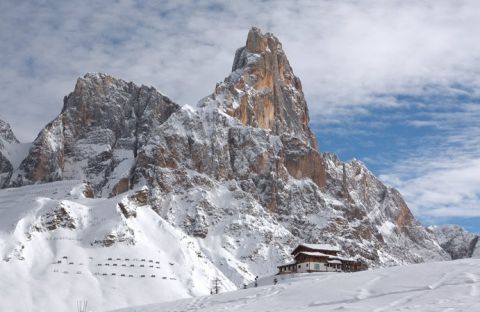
<point x="58" y="247"/>
<point x="438" y="286"/>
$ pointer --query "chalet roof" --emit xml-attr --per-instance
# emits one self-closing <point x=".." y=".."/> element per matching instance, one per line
<point x="321" y="247"/>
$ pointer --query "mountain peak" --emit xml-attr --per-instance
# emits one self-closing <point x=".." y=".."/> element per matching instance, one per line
<point x="262" y="91"/>
<point x="258" y="42"/>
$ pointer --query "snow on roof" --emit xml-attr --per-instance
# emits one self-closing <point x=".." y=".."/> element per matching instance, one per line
<point x="321" y="247"/>
<point x="345" y="259"/>
<point x="334" y="261"/>
<point x="314" y="253"/>
<point x="285" y="264"/>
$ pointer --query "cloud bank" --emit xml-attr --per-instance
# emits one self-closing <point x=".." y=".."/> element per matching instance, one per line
<point x="354" y="58"/>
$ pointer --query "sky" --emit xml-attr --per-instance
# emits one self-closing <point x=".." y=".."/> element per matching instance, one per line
<point x="395" y="84"/>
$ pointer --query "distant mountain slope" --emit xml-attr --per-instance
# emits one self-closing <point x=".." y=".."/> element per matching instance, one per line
<point x="7" y="140"/>
<point x="455" y="240"/>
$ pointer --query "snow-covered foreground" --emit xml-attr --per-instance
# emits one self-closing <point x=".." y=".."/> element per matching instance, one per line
<point x="439" y="286"/>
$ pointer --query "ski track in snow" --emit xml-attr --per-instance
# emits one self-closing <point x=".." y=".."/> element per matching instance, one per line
<point x="366" y="291"/>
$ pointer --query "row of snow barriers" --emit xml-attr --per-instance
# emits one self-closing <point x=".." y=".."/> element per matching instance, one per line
<point x="151" y="263"/>
<point x="144" y="264"/>
<point x="128" y="266"/>
<point x="115" y="274"/>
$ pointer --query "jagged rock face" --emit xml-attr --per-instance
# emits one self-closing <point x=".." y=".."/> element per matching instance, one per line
<point x="376" y="216"/>
<point x="456" y="241"/>
<point x="5" y="170"/>
<point x="315" y="197"/>
<point x="59" y="218"/>
<point x="7" y="137"/>
<point x="242" y="166"/>
<point x="263" y="92"/>
<point x="97" y="135"/>
<point x="6" y="134"/>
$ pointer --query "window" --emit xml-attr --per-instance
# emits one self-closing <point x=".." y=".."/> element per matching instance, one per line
<point x="316" y="266"/>
<point x="299" y="266"/>
<point x="307" y="265"/>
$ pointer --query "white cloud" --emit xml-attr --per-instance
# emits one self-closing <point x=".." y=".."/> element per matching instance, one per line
<point x="442" y="179"/>
<point x="347" y="53"/>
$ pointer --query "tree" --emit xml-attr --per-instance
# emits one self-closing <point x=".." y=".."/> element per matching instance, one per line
<point x="216" y="285"/>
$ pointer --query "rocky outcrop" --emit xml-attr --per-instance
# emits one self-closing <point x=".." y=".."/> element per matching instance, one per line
<point x="6" y="170"/>
<point x="60" y="217"/>
<point x="456" y="241"/>
<point x="6" y="134"/>
<point x="7" y="137"/>
<point x="263" y="91"/>
<point x="96" y="137"/>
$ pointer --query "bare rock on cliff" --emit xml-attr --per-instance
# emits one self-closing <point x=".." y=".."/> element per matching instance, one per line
<point x="7" y="138"/>
<point x="456" y="241"/>
<point x="96" y="137"/>
<point x="263" y="92"/>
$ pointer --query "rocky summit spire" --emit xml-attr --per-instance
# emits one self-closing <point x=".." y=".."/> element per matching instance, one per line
<point x="262" y="90"/>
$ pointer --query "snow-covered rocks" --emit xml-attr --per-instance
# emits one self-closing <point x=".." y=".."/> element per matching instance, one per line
<point x="7" y="139"/>
<point x="96" y="137"/>
<point x="456" y="241"/>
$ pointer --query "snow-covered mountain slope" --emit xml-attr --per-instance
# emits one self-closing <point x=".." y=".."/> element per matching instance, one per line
<point x="53" y="246"/>
<point x="443" y="286"/>
<point x="455" y="240"/>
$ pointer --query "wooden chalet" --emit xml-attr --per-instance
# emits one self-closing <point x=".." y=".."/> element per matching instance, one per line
<point x="319" y="258"/>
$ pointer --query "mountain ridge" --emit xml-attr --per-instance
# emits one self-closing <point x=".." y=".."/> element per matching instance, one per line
<point x="238" y="178"/>
<point x="253" y="131"/>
